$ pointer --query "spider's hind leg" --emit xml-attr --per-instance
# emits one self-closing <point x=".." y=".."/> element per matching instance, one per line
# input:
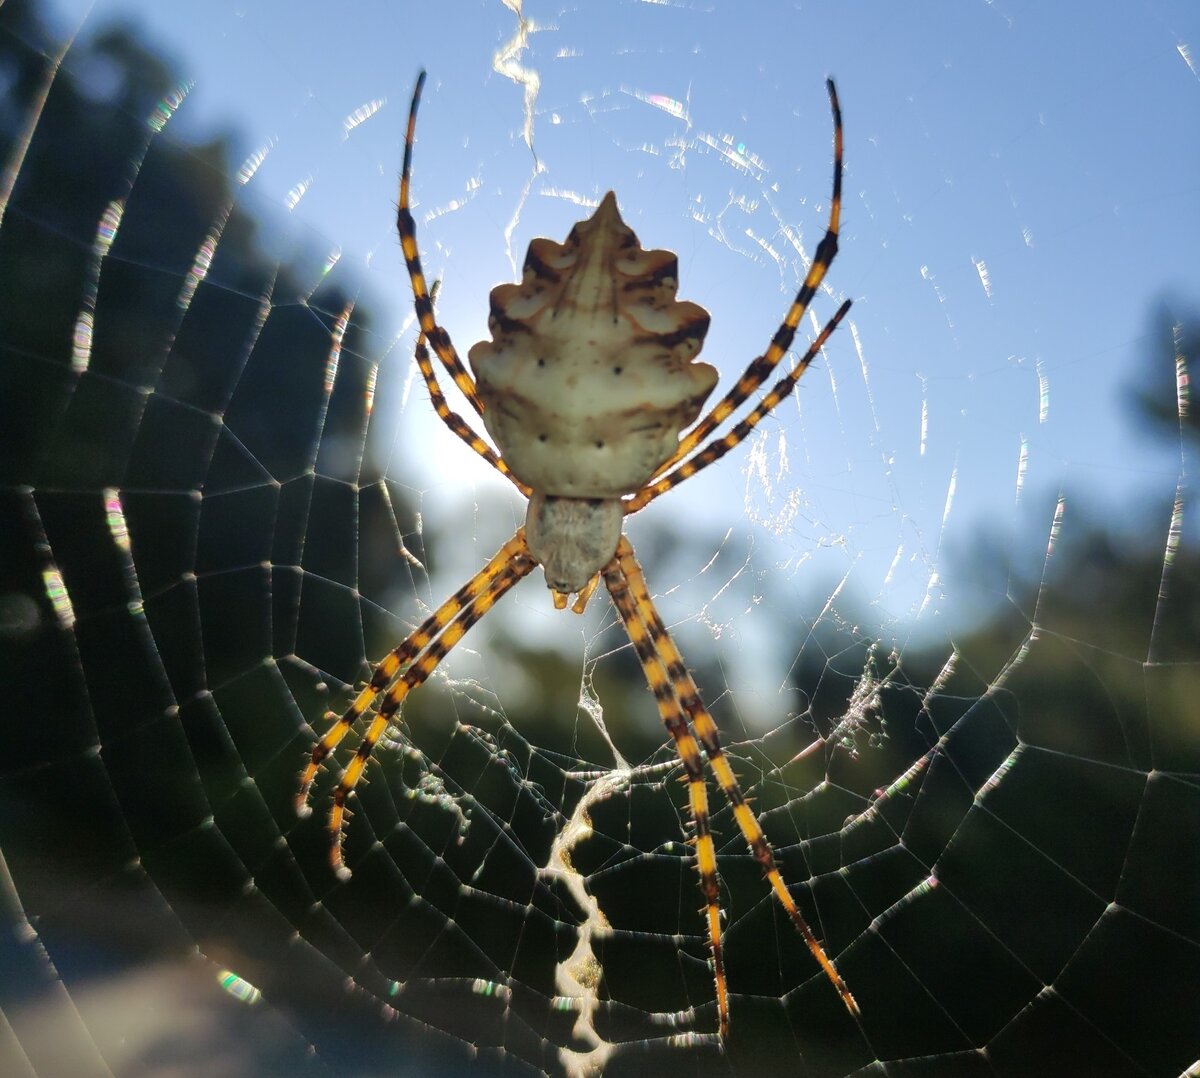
<point x="718" y="447"/>
<point x="456" y="423"/>
<point x="422" y="301"/>
<point x="760" y="369"/>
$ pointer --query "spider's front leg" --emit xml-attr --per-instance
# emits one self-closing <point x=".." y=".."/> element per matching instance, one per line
<point x="660" y="681"/>
<point x="404" y="669"/>
<point x="676" y="694"/>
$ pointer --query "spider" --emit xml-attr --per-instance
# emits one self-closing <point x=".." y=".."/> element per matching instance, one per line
<point x="586" y="387"/>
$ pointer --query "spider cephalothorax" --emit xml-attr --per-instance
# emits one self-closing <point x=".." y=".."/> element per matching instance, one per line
<point x="587" y="387"/>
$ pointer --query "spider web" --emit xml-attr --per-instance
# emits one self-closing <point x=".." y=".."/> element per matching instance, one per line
<point x="944" y="606"/>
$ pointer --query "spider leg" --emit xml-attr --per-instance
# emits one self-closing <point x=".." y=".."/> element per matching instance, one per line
<point x="456" y="422"/>
<point x="388" y="667"/>
<point x="689" y="755"/>
<point x="418" y="656"/>
<point x="718" y="447"/>
<point x="407" y="229"/>
<point x="683" y="688"/>
<point x="761" y="368"/>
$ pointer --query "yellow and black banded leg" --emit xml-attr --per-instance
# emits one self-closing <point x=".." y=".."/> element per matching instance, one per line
<point x="684" y="689"/>
<point x="418" y="656"/>
<point x="456" y="422"/>
<point x="718" y="447"/>
<point x="414" y="676"/>
<point x="398" y="657"/>
<point x="407" y="229"/>
<point x="761" y="368"/>
<point x="689" y="754"/>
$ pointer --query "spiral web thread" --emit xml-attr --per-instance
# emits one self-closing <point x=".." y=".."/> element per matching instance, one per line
<point x="212" y="524"/>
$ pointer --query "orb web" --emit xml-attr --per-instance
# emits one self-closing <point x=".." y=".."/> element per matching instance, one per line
<point x="942" y="605"/>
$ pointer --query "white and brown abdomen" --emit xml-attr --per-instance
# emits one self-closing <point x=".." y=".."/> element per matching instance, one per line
<point x="589" y="377"/>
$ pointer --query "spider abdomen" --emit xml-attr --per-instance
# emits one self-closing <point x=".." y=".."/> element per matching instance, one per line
<point x="590" y="376"/>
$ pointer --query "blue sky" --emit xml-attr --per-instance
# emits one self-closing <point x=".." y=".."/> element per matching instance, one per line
<point x="1022" y="187"/>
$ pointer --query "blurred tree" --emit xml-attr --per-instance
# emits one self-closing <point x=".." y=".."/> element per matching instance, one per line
<point x="167" y="435"/>
<point x="1152" y="387"/>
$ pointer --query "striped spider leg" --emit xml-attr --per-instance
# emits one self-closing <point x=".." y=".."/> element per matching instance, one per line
<point x="692" y="727"/>
<point x="587" y="387"/>
<point x="403" y="669"/>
